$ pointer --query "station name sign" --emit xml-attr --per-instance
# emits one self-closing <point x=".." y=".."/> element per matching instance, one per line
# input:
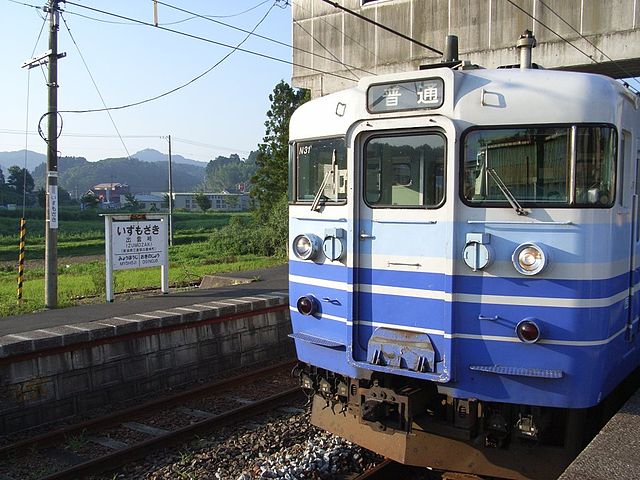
<point x="138" y="244"/>
<point x="411" y="95"/>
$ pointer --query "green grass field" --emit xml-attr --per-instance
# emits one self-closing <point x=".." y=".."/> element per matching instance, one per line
<point x="83" y="280"/>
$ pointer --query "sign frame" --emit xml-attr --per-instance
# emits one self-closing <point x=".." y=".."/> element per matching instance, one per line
<point x="154" y="249"/>
<point x="424" y="93"/>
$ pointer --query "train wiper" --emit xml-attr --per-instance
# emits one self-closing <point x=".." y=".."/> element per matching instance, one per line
<point x="315" y="206"/>
<point x="506" y="192"/>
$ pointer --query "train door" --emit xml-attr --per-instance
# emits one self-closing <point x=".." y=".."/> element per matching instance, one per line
<point x="402" y="246"/>
<point x="634" y="276"/>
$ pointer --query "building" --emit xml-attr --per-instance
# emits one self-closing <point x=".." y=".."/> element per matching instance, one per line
<point x="338" y="47"/>
<point x="111" y="195"/>
<point x="223" y="201"/>
<point x="150" y="203"/>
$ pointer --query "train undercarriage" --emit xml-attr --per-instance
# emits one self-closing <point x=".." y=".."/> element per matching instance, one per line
<point x="409" y="421"/>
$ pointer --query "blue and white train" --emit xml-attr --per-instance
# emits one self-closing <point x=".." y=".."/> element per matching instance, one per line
<point x="464" y="262"/>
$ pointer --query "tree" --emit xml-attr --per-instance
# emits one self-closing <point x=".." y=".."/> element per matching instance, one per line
<point x="270" y="179"/>
<point x="89" y="200"/>
<point x="131" y="202"/>
<point x="1" y="177"/>
<point x="19" y="178"/>
<point x="203" y="201"/>
<point x="64" y="198"/>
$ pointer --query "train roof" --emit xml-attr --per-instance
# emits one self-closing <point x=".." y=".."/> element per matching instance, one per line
<point x="478" y="96"/>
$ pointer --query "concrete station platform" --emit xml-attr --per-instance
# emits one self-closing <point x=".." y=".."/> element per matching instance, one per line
<point x="269" y="280"/>
<point x="63" y="362"/>
<point x="614" y="453"/>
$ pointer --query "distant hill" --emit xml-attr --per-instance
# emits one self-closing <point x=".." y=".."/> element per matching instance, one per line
<point x="9" y="159"/>
<point x="151" y="155"/>
<point x="76" y="174"/>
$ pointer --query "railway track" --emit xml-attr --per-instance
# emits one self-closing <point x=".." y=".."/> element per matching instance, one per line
<point x="390" y="470"/>
<point x="106" y="443"/>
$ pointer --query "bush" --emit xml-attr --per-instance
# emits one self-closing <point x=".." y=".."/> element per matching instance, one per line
<point x="266" y="236"/>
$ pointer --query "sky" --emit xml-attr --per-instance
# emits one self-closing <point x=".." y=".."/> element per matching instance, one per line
<point x="219" y="114"/>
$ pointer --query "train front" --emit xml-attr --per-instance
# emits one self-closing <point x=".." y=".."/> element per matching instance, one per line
<point x="450" y="306"/>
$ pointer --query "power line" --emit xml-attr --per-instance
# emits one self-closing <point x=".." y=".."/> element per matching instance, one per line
<point x="194" y="143"/>
<point x="590" y="57"/>
<point x="325" y="48"/>
<point x="218" y="16"/>
<point x="269" y="39"/>
<point x="233" y="50"/>
<point x="207" y="40"/>
<point x="589" y="42"/>
<point x="95" y="85"/>
<point x="299" y="5"/>
<point x="164" y="24"/>
<point x="384" y="27"/>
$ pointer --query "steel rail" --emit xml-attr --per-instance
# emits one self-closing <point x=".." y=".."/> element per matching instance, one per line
<point x="121" y="457"/>
<point x="392" y="470"/>
<point x="382" y="470"/>
<point x="56" y="436"/>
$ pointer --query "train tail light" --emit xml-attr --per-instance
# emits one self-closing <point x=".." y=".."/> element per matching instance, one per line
<point x="307" y="305"/>
<point x="528" y="331"/>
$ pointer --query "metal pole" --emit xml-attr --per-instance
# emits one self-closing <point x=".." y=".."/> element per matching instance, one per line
<point x="170" y="197"/>
<point x="23" y="236"/>
<point x="51" y="235"/>
<point x="108" y="231"/>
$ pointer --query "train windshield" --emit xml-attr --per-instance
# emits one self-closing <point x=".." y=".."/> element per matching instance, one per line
<point x="405" y="171"/>
<point x="560" y="166"/>
<point x="320" y="171"/>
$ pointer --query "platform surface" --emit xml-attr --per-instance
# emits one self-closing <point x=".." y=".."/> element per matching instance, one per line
<point x="614" y="453"/>
<point x="268" y="280"/>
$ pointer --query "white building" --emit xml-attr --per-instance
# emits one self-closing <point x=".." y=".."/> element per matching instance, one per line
<point x="223" y="201"/>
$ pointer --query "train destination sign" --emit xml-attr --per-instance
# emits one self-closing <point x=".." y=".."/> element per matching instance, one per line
<point x="412" y="95"/>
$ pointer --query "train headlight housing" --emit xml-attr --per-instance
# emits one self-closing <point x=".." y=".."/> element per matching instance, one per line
<point x="306" y="246"/>
<point x="529" y="259"/>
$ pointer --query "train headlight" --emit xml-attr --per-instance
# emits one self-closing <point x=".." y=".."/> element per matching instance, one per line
<point x="306" y="246"/>
<point x="528" y="331"/>
<point x="529" y="259"/>
<point x="307" y="305"/>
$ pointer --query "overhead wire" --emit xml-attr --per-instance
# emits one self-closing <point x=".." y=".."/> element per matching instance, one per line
<point x="326" y="49"/>
<point x="26" y="137"/>
<point x="590" y="57"/>
<point x="197" y="37"/>
<point x="188" y="35"/>
<point x="180" y="87"/>
<point x="115" y="127"/>
<point x="263" y="37"/>
<point x="108" y="135"/>
<point x="342" y="32"/>
<point x="217" y="16"/>
<point x="620" y="67"/>
<point x="164" y="24"/>
<point x="382" y="26"/>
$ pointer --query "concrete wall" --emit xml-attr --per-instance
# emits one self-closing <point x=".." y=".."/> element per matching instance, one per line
<point x="487" y="29"/>
<point x="47" y="375"/>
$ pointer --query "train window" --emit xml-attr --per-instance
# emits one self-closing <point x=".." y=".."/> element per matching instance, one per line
<point x="540" y="166"/>
<point x="404" y="170"/>
<point x="321" y="165"/>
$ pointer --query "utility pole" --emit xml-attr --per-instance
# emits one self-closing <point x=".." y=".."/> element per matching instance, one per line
<point x="51" y="208"/>
<point x="51" y="215"/>
<point x="170" y="197"/>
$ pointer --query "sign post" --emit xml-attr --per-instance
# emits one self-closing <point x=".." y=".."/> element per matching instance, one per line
<point x="136" y="241"/>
